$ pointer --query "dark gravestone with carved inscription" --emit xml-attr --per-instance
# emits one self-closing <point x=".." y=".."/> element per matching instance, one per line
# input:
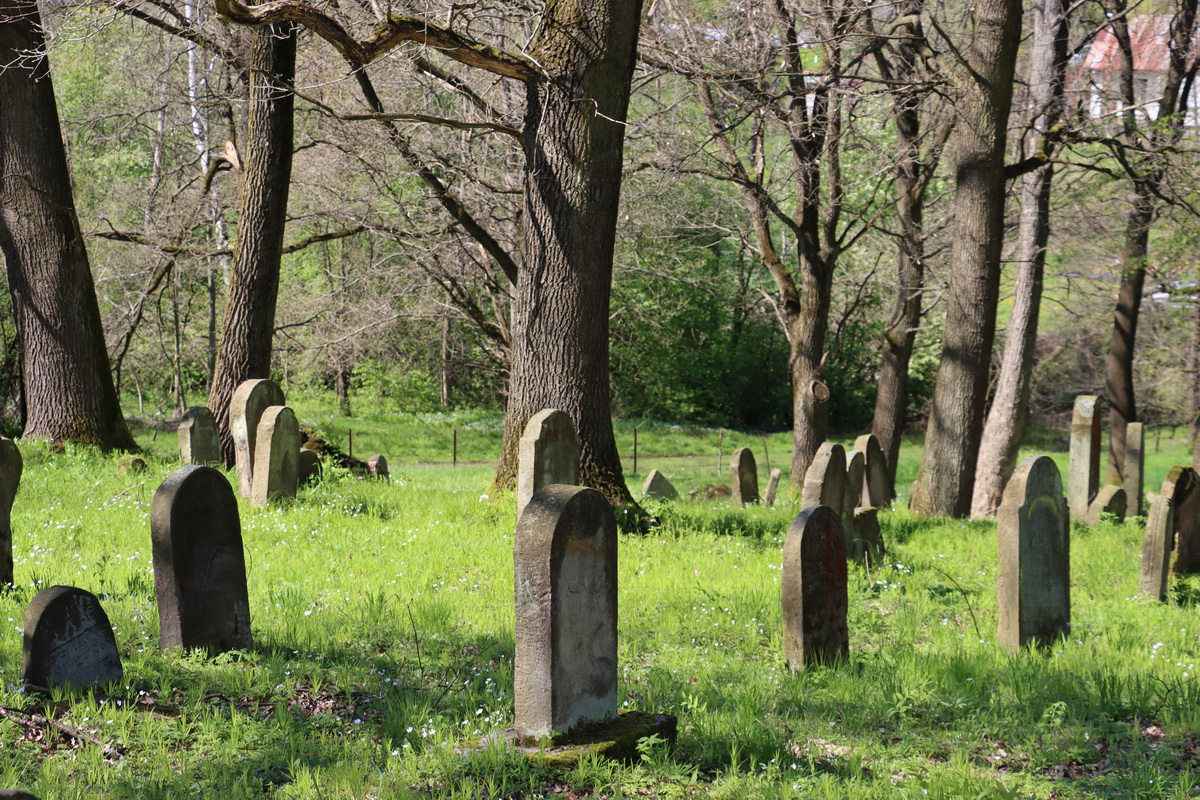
<point x="68" y="640"/>
<point x="199" y="565"/>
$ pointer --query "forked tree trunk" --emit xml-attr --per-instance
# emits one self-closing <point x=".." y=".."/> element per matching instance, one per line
<point x="1005" y="425"/>
<point x="249" y="326"/>
<point x="944" y="484"/>
<point x="66" y="383"/>
<point x="574" y="135"/>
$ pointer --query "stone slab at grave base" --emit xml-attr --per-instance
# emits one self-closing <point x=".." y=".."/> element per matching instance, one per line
<point x="616" y="739"/>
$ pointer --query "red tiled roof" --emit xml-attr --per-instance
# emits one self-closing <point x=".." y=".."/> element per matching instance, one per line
<point x="1148" y="36"/>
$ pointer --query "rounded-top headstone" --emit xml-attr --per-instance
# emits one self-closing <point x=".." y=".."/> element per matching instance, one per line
<point x="246" y="407"/>
<point x="548" y="453"/>
<point x="198" y="439"/>
<point x="199" y="565"/>
<point x="814" y="589"/>
<point x="308" y="466"/>
<point x="377" y="466"/>
<point x="1182" y="485"/>
<point x="875" y="490"/>
<point x="825" y="480"/>
<point x="743" y="476"/>
<point x="68" y="640"/>
<point x="276" y="457"/>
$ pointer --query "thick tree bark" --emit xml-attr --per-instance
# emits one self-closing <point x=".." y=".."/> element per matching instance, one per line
<point x="66" y="383"/>
<point x="946" y="479"/>
<point x="1005" y="425"/>
<point x="891" y="397"/>
<point x="574" y="137"/>
<point x="249" y="326"/>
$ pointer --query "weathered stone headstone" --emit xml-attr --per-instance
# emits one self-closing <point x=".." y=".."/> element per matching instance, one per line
<point x="199" y="565"/>
<point x="198" y="440"/>
<point x="16" y="794"/>
<point x="875" y="491"/>
<point x="377" y="466"/>
<point x="566" y="622"/>
<point x="869" y="545"/>
<point x="825" y="480"/>
<point x="246" y="407"/>
<point x="1135" y="465"/>
<point x="772" y="487"/>
<point x="308" y="466"/>
<point x="1034" y="585"/>
<point x="856" y="468"/>
<point x="129" y="464"/>
<point x="10" y="480"/>
<point x="1182" y="486"/>
<point x="276" y="456"/>
<point x="657" y="485"/>
<point x="1156" y="549"/>
<point x="743" y="476"/>
<point x="1109" y="500"/>
<point x="68" y="640"/>
<point x="1083" y="470"/>
<point x="814" y="590"/>
<point x="548" y="453"/>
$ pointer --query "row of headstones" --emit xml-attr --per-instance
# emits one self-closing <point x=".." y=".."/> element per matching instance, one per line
<point x="270" y="463"/>
<point x="1086" y="499"/>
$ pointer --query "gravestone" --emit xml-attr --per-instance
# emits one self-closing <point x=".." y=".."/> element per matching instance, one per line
<point x="1182" y="486"/>
<point x="276" y="457"/>
<point x="548" y="453"/>
<point x="772" y="487"/>
<point x="10" y="480"/>
<point x="1083" y="469"/>
<point x="743" y="476"/>
<point x="1135" y="465"/>
<point x="825" y="480"/>
<point x="199" y="565"/>
<point x="377" y="468"/>
<point x="129" y="464"/>
<point x="869" y="544"/>
<point x="198" y="440"/>
<point x="814" y="590"/>
<point x="565" y="559"/>
<point x="875" y="490"/>
<point x="657" y="485"/>
<point x="68" y="640"/>
<point x="246" y="408"/>
<point x="1034" y="584"/>
<point x="1156" y="549"/>
<point x="16" y="794"/>
<point x="1109" y="500"/>
<point x="308" y="466"/>
<point x="856" y="468"/>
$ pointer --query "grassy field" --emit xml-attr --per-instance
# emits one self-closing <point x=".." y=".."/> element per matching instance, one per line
<point x="383" y="624"/>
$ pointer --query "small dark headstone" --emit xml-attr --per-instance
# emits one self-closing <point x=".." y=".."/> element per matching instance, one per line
<point x="869" y="543"/>
<point x="199" y="565"/>
<point x="309" y="466"/>
<point x="16" y="794"/>
<point x="743" y="476"/>
<point x="1182" y="486"/>
<point x="657" y="486"/>
<point x="68" y="640"/>
<point x="377" y="467"/>
<point x="129" y="464"/>
<point x="565" y="664"/>
<point x="1109" y="500"/>
<point x="814" y="590"/>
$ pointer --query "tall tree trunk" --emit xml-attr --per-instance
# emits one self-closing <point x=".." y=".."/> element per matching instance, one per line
<point x="67" y="386"/>
<point x="574" y="137"/>
<point x="891" y="397"/>
<point x="946" y="478"/>
<point x="249" y="326"/>
<point x="1005" y="425"/>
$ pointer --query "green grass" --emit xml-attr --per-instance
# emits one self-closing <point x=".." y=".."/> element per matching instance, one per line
<point x="383" y="624"/>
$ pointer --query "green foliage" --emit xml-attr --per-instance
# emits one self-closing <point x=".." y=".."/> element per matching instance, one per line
<point x="411" y="390"/>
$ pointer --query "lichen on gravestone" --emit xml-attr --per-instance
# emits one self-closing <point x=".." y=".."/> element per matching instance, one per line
<point x="69" y="640"/>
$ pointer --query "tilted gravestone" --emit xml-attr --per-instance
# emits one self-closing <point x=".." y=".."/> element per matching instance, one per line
<point x="772" y="487"/>
<point x="198" y="440"/>
<point x="875" y="490"/>
<point x="199" y="565"/>
<point x="743" y="476"/>
<point x="814" y="590"/>
<point x="1135" y="466"/>
<point x="276" y="457"/>
<point x="10" y="480"/>
<point x="308" y="466"/>
<point x="68" y="640"/>
<point x="657" y="485"/>
<point x="1109" y="500"/>
<point x="377" y="467"/>
<point x="1182" y="486"/>
<point x="565" y="559"/>
<point x="825" y="481"/>
<point x="1083" y="469"/>
<point x="1034" y="584"/>
<point x="1156" y="549"/>
<point x="548" y="453"/>
<point x="246" y="408"/>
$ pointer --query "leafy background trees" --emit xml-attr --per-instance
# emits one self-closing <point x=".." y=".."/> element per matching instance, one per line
<point x="782" y="162"/>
